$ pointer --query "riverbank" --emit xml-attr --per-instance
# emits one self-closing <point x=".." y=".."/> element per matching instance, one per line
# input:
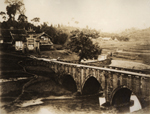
<point x="18" y="86"/>
<point x="43" y="84"/>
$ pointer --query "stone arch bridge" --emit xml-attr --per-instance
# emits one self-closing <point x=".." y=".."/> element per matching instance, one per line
<point x="117" y="84"/>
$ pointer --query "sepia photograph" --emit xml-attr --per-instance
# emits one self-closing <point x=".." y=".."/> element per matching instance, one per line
<point x="74" y="56"/>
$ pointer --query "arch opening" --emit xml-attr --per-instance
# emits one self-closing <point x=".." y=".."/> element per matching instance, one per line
<point x="69" y="83"/>
<point x="121" y="96"/>
<point x="91" y="86"/>
<point x="125" y="100"/>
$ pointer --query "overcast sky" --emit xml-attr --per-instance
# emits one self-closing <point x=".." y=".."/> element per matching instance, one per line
<point x="106" y="15"/>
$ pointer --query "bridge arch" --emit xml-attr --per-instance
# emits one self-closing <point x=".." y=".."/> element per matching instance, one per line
<point x="91" y="86"/>
<point x="121" y="95"/>
<point x="69" y="83"/>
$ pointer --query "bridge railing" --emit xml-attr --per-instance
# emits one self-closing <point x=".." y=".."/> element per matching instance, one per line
<point x="121" y="71"/>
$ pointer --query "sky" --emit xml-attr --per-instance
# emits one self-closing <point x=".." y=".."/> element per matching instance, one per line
<point x="104" y="15"/>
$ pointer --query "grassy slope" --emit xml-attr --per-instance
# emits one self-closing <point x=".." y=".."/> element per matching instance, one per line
<point x="134" y="46"/>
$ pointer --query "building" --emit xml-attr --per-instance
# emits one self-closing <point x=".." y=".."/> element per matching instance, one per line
<point x="106" y="38"/>
<point x="45" y="41"/>
<point x="18" y="38"/>
<point x="6" y="36"/>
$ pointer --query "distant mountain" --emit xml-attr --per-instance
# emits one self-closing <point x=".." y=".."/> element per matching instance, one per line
<point x="134" y="33"/>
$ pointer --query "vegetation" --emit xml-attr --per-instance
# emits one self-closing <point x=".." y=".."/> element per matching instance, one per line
<point x="129" y="34"/>
<point x="81" y="44"/>
<point x="13" y="7"/>
<point x="137" y="33"/>
<point x="36" y="20"/>
<point x="120" y="38"/>
<point x="91" y="32"/>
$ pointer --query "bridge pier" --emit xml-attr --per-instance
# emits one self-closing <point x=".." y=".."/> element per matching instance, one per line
<point x="78" y="80"/>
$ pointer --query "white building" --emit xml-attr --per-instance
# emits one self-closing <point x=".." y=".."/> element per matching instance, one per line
<point x="106" y="38"/>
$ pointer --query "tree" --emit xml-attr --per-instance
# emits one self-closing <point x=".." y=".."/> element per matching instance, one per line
<point x="60" y="37"/>
<point x="36" y="20"/>
<point x="22" y="18"/>
<point x="44" y="26"/>
<point x="22" y="21"/>
<point x="3" y="14"/>
<point x="13" y="7"/>
<point x="81" y="44"/>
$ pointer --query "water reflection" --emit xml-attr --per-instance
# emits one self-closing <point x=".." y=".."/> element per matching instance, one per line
<point x="74" y="106"/>
<point x="46" y="111"/>
<point x="70" y="106"/>
<point x="13" y="79"/>
<point x="30" y="103"/>
<point x="137" y="105"/>
<point x="102" y="100"/>
<point x="62" y="106"/>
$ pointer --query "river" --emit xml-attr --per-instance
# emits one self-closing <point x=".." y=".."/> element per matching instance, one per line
<point x="63" y="105"/>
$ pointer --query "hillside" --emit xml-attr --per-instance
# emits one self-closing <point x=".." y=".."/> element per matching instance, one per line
<point x="135" y="34"/>
<point x="132" y="33"/>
